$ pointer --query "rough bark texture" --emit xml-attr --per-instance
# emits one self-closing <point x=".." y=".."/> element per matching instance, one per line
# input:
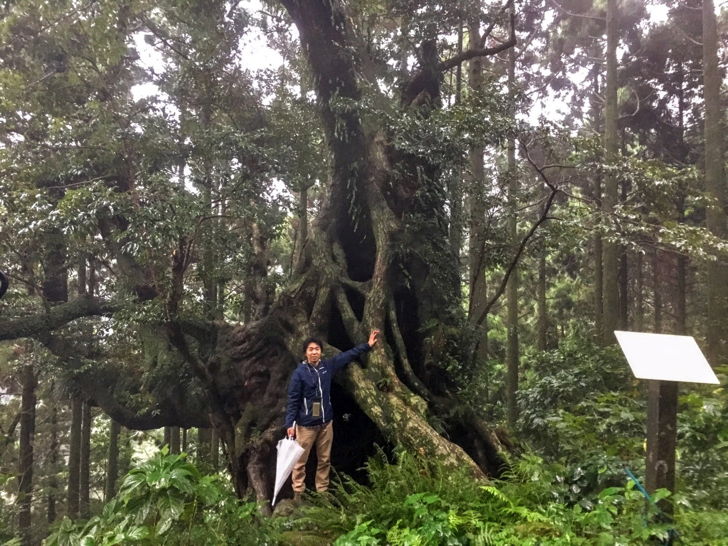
<point x="204" y="440"/>
<point x="657" y="291"/>
<point x="215" y="450"/>
<point x="623" y="289"/>
<point x="639" y="318"/>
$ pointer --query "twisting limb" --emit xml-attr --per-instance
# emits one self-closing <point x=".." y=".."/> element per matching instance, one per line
<point x="7" y="438"/>
<point x="491" y="26"/>
<point x="56" y="317"/>
<point x="572" y="14"/>
<point x="481" y="51"/>
<point x="318" y="311"/>
<point x="339" y="255"/>
<point x="181" y="260"/>
<point x="524" y="242"/>
<point x="361" y="287"/>
<point x="473" y="53"/>
<point x="351" y="323"/>
<point x="410" y="377"/>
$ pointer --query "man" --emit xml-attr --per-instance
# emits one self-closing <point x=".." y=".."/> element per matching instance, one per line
<point x="309" y="407"/>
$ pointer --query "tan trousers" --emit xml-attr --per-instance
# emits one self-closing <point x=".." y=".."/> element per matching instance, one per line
<point x="323" y="437"/>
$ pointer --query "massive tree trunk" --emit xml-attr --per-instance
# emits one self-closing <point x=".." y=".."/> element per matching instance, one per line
<point x="364" y="265"/>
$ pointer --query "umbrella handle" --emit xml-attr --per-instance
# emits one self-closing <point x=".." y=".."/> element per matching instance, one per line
<point x="293" y="426"/>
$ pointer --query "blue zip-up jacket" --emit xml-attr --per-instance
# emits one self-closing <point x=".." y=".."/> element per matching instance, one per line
<point x="311" y="384"/>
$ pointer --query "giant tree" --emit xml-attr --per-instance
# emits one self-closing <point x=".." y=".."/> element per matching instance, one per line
<point x="377" y="254"/>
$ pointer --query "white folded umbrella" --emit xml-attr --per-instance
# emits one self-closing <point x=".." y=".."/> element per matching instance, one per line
<point x="289" y="451"/>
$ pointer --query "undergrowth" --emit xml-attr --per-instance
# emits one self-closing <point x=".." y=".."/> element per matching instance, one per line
<point x="582" y="424"/>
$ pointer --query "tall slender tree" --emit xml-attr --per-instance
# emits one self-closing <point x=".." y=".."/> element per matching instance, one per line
<point x="74" y="458"/>
<point x="25" y="458"/>
<point x="714" y="183"/>
<point x="85" y="463"/>
<point x="611" y="182"/>
<point x="512" y="353"/>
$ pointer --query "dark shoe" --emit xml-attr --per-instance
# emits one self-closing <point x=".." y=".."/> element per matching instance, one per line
<point x="297" y="497"/>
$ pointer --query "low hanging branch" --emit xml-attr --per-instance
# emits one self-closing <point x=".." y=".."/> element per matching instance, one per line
<point x="56" y="317"/>
<point x="521" y="247"/>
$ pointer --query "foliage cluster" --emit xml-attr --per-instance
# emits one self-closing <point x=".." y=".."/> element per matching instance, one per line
<point x="418" y="502"/>
<point x="166" y="500"/>
<point x="580" y="405"/>
<point x="414" y="502"/>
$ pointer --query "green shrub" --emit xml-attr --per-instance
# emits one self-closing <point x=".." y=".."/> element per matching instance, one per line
<point x="167" y="500"/>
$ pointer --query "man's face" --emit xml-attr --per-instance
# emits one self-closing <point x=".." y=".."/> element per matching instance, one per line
<point x="313" y="353"/>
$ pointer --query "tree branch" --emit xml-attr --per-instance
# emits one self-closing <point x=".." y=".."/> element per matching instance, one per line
<point x="544" y="216"/>
<point x="571" y="14"/>
<point x="473" y="53"/>
<point x="351" y="323"/>
<point x="491" y="26"/>
<point x="83" y="306"/>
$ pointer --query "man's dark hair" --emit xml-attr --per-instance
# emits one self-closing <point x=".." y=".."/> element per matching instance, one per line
<point x="310" y="340"/>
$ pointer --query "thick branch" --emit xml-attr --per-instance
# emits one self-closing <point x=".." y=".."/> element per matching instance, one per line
<point x="410" y="377"/>
<point x="480" y="52"/>
<point x="473" y="53"/>
<point x="8" y="438"/>
<point x="83" y="306"/>
<point x="154" y="418"/>
<point x="351" y="323"/>
<point x="100" y="384"/>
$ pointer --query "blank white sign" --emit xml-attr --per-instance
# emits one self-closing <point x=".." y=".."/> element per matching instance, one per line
<point x="665" y="357"/>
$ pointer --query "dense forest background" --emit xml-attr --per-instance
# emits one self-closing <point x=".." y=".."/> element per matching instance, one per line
<point x="189" y="188"/>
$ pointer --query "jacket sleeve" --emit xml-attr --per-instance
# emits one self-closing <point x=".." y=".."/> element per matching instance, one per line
<point x="295" y="393"/>
<point x="342" y="359"/>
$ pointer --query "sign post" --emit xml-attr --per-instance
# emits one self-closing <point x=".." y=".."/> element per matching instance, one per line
<point x="664" y="360"/>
